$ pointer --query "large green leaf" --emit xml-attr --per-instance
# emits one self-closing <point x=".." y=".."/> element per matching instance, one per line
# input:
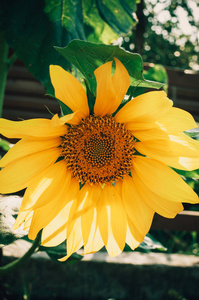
<point x="33" y="27"/>
<point x="117" y="15"/>
<point x="88" y="56"/>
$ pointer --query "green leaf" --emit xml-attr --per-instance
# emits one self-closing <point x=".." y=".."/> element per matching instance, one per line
<point x="33" y="27"/>
<point x="9" y="207"/>
<point x="88" y="56"/>
<point x="58" y="252"/>
<point x="106" y="21"/>
<point x="5" y="145"/>
<point x="188" y="174"/>
<point x="193" y="133"/>
<point x="155" y="73"/>
<point x="114" y="13"/>
<point x="158" y="73"/>
<point x="150" y="243"/>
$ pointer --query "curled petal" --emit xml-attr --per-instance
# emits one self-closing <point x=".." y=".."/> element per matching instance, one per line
<point x="110" y="89"/>
<point x="69" y="90"/>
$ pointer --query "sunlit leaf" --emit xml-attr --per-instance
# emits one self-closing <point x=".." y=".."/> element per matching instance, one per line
<point x="151" y="243"/>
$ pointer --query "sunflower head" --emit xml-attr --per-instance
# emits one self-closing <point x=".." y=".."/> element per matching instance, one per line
<point x="97" y="178"/>
<point x="98" y="150"/>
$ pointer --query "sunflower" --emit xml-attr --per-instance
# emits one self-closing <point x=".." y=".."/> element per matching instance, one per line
<point x="97" y="178"/>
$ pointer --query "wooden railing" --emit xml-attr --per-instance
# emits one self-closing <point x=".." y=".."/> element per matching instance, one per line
<point x="184" y="221"/>
<point x="25" y="98"/>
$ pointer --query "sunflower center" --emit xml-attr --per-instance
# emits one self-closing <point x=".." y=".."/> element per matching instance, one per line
<point x="98" y="150"/>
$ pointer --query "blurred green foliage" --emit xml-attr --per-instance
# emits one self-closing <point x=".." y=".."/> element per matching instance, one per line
<point x="167" y="33"/>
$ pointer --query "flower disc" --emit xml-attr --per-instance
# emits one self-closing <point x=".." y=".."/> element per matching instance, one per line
<point x="98" y="150"/>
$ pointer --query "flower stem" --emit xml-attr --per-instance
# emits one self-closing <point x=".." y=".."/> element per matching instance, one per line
<point x="5" y="65"/>
<point x="18" y="262"/>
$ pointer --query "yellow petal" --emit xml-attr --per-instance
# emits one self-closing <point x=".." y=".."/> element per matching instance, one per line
<point x="69" y="90"/>
<point x="44" y="215"/>
<point x="73" y="119"/>
<point x="146" y="108"/>
<point x="74" y="230"/>
<point x="133" y="236"/>
<point x="17" y="174"/>
<point x="31" y="128"/>
<point x="27" y="147"/>
<point x="118" y="217"/>
<point x="112" y="245"/>
<point x="95" y="243"/>
<point x="102" y="218"/>
<point x="88" y="221"/>
<point x="140" y="126"/>
<point x="162" y="206"/>
<point x="150" y="134"/>
<point x="56" y="231"/>
<point x="179" y="151"/>
<point x="176" y="120"/>
<point x="163" y="181"/>
<point x="74" y="240"/>
<point x="140" y="214"/>
<point x="43" y="188"/>
<point x="157" y="133"/>
<point x="28" y="220"/>
<point x="110" y="89"/>
<point x="89" y="228"/>
<point x="107" y="223"/>
<point x="22" y="215"/>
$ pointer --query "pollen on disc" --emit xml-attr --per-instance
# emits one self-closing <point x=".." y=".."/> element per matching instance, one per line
<point x="98" y="150"/>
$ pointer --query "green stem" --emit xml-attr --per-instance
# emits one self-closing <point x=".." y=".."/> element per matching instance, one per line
<point x="18" y="262"/>
<point x="5" y="65"/>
